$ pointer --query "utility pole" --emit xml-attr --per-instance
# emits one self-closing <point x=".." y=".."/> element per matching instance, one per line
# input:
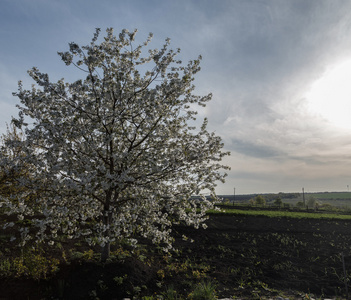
<point x="303" y="197"/>
<point x="234" y="197"/>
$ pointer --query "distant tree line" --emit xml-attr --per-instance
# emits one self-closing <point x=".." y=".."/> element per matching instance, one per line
<point x="268" y="197"/>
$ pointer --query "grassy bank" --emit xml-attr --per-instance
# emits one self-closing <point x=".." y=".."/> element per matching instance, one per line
<point x="281" y="214"/>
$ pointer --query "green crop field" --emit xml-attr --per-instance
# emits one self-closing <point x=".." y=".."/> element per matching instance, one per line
<point x="331" y="195"/>
<point x="336" y="199"/>
<point x="282" y="214"/>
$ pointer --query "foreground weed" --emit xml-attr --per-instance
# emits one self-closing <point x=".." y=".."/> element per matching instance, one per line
<point x="120" y="279"/>
<point x="171" y="294"/>
<point x="204" y="291"/>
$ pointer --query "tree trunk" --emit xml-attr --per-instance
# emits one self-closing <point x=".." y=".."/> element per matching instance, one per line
<point x="106" y="249"/>
<point x="105" y="252"/>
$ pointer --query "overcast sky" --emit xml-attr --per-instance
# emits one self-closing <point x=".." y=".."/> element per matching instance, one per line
<point x="274" y="67"/>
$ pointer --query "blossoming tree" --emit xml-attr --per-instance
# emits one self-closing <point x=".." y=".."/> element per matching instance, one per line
<point x="115" y="155"/>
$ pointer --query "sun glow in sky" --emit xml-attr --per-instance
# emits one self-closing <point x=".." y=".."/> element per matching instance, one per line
<point x="330" y="96"/>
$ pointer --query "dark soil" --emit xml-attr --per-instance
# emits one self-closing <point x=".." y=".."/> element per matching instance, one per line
<point x="245" y="256"/>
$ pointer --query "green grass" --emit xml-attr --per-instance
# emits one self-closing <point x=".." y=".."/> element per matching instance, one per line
<point x="282" y="214"/>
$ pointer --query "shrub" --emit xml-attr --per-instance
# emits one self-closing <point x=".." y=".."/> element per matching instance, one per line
<point x="31" y="264"/>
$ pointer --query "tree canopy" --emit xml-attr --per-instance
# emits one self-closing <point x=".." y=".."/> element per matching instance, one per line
<point x="114" y="153"/>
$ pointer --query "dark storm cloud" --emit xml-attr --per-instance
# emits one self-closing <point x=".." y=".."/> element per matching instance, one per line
<point x="255" y="150"/>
